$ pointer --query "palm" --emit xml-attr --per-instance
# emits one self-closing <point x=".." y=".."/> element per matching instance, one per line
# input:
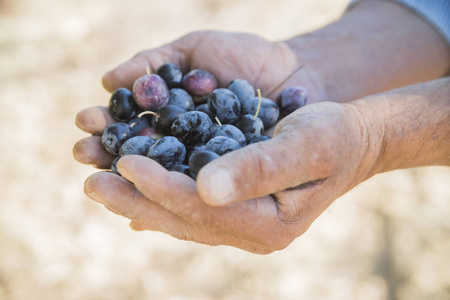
<point x="229" y="56"/>
<point x="281" y="209"/>
<point x="226" y="55"/>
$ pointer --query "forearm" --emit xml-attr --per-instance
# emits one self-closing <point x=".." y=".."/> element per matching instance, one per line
<point x="407" y="127"/>
<point x="376" y="46"/>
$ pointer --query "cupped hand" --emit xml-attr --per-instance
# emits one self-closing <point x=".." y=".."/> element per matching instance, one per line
<point x="258" y="198"/>
<point x="269" y="66"/>
<point x="227" y="56"/>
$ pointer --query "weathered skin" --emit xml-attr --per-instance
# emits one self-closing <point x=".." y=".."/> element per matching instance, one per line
<point x="323" y="149"/>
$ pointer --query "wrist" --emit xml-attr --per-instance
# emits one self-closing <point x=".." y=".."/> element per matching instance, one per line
<point x="408" y="127"/>
<point x="370" y="121"/>
<point x="376" y="46"/>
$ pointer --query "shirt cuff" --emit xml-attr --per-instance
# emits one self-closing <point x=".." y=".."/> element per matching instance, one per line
<point x="435" y="12"/>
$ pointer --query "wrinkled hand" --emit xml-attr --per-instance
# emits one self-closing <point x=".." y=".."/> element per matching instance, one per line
<point x="226" y="55"/>
<point x="274" y="189"/>
<point x="259" y="198"/>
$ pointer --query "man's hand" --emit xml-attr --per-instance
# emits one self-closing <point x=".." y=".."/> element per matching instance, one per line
<point x="261" y="197"/>
<point x="225" y="55"/>
<point x="279" y="187"/>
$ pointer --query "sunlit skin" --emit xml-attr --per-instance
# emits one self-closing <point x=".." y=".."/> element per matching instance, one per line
<point x="263" y="196"/>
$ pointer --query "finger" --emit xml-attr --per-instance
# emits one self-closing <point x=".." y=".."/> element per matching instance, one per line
<point x="177" y="193"/>
<point x="176" y="52"/>
<point x="285" y="161"/>
<point x="121" y="197"/>
<point x="251" y="225"/>
<point x="136" y="226"/>
<point x="90" y="151"/>
<point x="172" y="190"/>
<point x="94" y="120"/>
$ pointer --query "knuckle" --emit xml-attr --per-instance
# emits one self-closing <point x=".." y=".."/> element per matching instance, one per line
<point x="195" y="35"/>
<point x="263" y="162"/>
<point x="142" y="53"/>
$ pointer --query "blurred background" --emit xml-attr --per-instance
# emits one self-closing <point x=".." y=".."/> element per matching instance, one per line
<point x="387" y="239"/>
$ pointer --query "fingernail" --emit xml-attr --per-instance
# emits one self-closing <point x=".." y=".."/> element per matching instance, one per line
<point x="221" y="186"/>
<point x="90" y="191"/>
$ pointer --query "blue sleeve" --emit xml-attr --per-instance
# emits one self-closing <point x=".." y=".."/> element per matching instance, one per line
<point x="435" y="12"/>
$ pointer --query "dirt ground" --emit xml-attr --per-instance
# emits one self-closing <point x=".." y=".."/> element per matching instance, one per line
<point x="386" y="239"/>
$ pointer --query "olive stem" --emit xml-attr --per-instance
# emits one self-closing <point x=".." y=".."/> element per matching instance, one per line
<point x="284" y="81"/>
<point x="258" y="91"/>
<point x="218" y="121"/>
<point x="148" y="112"/>
<point x="148" y="70"/>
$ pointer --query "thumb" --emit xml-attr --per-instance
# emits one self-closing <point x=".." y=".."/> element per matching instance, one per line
<point x="126" y="74"/>
<point x="264" y="168"/>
